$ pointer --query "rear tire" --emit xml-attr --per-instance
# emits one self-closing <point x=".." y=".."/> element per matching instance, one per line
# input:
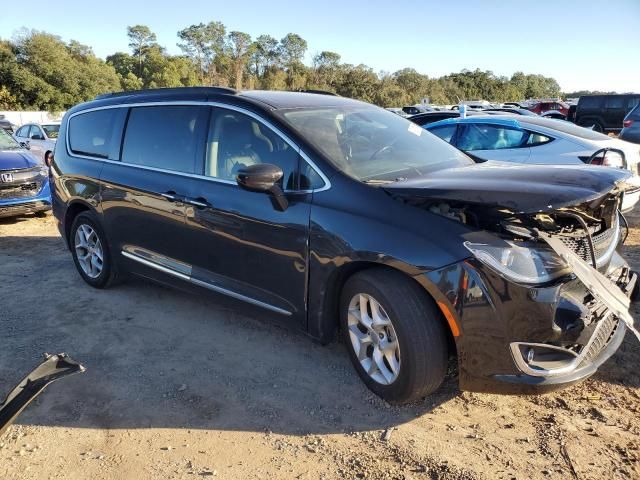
<point x="416" y="325"/>
<point x="90" y="251"/>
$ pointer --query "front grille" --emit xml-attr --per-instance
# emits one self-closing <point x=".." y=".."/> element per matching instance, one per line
<point x="601" y="243"/>
<point x="24" y="190"/>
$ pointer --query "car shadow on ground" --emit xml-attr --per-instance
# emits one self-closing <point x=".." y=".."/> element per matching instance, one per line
<point x="160" y="358"/>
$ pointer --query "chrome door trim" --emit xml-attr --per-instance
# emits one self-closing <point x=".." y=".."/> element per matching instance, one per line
<point x="266" y="123"/>
<point x="207" y="285"/>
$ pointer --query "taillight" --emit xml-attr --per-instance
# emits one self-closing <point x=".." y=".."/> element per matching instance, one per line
<point x="627" y="123"/>
<point x="608" y="158"/>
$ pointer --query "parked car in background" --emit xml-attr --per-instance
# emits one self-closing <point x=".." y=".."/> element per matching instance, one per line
<point x="416" y="109"/>
<point x="430" y="117"/>
<point x="24" y="180"/>
<point x="41" y="138"/>
<point x="550" y="109"/>
<point x="336" y="215"/>
<point x="512" y="110"/>
<point x="631" y="126"/>
<point x="7" y="126"/>
<point x="537" y="140"/>
<point x="605" y="113"/>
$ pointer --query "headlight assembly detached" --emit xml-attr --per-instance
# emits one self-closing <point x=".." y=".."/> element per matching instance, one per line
<point x="519" y="262"/>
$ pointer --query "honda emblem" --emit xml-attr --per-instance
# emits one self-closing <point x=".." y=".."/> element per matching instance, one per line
<point x="6" y="177"/>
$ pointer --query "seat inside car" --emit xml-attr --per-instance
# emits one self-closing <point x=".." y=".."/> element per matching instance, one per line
<point x="237" y="142"/>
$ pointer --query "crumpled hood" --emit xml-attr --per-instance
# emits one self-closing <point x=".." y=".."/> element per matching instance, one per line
<point x="521" y="188"/>
<point x="16" y="159"/>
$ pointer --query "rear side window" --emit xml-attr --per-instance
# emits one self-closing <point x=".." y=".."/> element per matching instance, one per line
<point x="633" y="102"/>
<point x="166" y="137"/>
<point x="96" y="134"/>
<point x="615" y="102"/>
<point x="490" y="137"/>
<point x="590" y="102"/>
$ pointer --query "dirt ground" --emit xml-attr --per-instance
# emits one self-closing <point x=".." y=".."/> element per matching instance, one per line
<point x="179" y="386"/>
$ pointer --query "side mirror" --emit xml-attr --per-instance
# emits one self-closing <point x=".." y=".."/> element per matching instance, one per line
<point x="25" y="145"/>
<point x="37" y="137"/>
<point x="48" y="159"/>
<point x="263" y="177"/>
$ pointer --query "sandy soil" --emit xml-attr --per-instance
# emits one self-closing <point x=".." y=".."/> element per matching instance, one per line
<point x="179" y="386"/>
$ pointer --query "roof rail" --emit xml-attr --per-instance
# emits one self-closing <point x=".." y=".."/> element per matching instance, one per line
<point x="318" y="92"/>
<point x="151" y="91"/>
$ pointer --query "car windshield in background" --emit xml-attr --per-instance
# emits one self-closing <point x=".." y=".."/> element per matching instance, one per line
<point x="51" y="130"/>
<point x="7" y="142"/>
<point x="372" y="144"/>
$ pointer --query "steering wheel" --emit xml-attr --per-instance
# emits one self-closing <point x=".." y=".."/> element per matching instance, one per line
<point x="384" y="148"/>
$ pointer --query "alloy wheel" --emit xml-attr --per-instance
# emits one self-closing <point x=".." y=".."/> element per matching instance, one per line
<point x="373" y="339"/>
<point x="89" y="251"/>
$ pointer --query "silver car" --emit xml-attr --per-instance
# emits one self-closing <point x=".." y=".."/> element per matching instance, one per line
<point x="39" y="137"/>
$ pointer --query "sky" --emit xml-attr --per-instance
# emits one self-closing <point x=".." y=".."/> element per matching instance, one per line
<point x="583" y="44"/>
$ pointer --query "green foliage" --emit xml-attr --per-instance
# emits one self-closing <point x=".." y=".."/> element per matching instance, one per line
<point x="40" y="71"/>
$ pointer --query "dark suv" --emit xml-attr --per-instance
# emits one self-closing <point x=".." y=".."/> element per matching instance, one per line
<point x="336" y="215"/>
<point x="604" y="113"/>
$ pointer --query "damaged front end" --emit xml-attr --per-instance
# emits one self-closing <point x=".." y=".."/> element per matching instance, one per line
<point x="543" y="299"/>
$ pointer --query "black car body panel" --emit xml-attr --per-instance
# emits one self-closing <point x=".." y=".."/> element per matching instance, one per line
<point x="605" y="112"/>
<point x="524" y="189"/>
<point x="194" y="232"/>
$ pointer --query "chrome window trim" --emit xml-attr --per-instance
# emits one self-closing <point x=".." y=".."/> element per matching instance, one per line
<point x="266" y="123"/>
<point x="202" y="283"/>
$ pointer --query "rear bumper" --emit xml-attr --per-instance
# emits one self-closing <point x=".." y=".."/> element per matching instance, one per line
<point x="41" y="202"/>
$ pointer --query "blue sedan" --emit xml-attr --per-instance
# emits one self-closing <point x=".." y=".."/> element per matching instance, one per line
<point x="24" y="180"/>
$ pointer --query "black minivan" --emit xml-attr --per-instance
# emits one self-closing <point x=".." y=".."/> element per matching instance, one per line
<point x="339" y="216"/>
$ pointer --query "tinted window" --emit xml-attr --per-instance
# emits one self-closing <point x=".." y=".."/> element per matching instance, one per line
<point x="536" y="139"/>
<point x="23" y="132"/>
<point x="309" y="178"/>
<point x="167" y="137"/>
<point x="615" y="102"/>
<point x="95" y="134"/>
<point x="632" y="102"/>
<point x="445" y="132"/>
<point x="635" y="113"/>
<point x="590" y="102"/>
<point x="490" y="137"/>
<point x="237" y="140"/>
<point x="35" y="130"/>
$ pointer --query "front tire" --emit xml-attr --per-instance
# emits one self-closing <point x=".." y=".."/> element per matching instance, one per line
<point x="90" y="251"/>
<point x="394" y="335"/>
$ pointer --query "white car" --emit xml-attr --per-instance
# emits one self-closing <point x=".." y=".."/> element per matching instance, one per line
<point x="39" y="137"/>
<point x="537" y="140"/>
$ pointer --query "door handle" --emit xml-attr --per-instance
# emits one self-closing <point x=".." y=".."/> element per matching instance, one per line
<point x="172" y="196"/>
<point x="197" y="202"/>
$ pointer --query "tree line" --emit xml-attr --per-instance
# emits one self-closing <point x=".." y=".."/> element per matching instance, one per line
<point x="40" y="71"/>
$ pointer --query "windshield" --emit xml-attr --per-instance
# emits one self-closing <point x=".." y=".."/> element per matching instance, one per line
<point x="7" y="142"/>
<point x="372" y="144"/>
<point x="51" y="130"/>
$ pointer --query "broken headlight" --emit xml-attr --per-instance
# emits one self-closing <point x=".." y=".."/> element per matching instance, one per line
<point x="519" y="262"/>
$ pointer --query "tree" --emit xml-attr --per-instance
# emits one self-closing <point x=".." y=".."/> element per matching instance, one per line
<point x="203" y="43"/>
<point x="240" y="50"/>
<point x="141" y="38"/>
<point x="325" y="70"/>
<point x="265" y="54"/>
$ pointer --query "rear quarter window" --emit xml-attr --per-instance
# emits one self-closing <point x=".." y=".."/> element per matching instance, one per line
<point x="96" y="133"/>
<point x="590" y="102"/>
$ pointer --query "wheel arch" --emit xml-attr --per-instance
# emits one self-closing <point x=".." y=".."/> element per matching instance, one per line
<point x="75" y="208"/>
<point x="330" y="313"/>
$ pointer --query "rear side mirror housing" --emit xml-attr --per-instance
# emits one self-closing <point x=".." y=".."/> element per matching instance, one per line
<point x="264" y="177"/>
